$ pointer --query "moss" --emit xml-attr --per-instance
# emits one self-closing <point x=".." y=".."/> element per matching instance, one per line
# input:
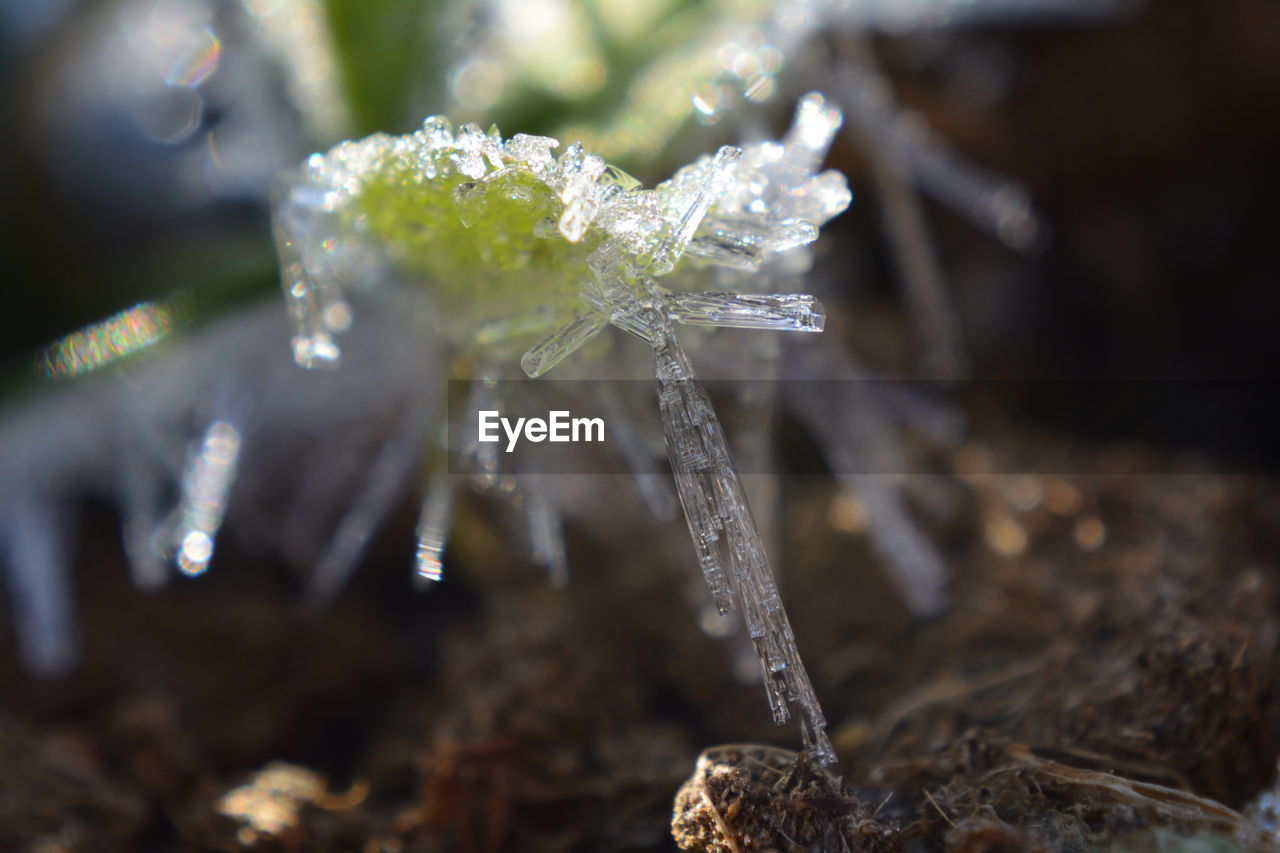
<point x="488" y="248"/>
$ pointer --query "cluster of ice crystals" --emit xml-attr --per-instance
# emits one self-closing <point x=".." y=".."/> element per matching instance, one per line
<point x="533" y="151"/>
<point x="736" y="209"/>
<point x="778" y="203"/>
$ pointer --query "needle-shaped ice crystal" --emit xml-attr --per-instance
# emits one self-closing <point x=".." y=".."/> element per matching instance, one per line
<point x="552" y="349"/>
<point x="686" y="198"/>
<point x="993" y="203"/>
<point x="433" y="529"/>
<point x="791" y="312"/>
<point x="206" y="485"/>
<point x="727" y="540"/>
<point x="39" y="590"/>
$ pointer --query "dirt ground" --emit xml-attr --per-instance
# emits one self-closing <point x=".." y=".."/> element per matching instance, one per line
<point x="1108" y="666"/>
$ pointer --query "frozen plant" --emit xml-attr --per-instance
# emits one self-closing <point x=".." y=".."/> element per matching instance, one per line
<point x="515" y="243"/>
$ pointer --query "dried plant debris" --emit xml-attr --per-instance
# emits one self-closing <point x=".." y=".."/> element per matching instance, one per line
<point x="1085" y="693"/>
<point x="534" y="739"/>
<point x="58" y="795"/>
<point x="744" y="798"/>
<point x="267" y="809"/>
<point x="1000" y="795"/>
<point x="1153" y="656"/>
<point x="987" y="835"/>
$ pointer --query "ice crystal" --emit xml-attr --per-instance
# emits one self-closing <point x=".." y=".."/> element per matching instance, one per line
<point x="579" y="245"/>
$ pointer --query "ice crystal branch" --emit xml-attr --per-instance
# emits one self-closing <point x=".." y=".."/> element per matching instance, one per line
<point x="727" y="542"/>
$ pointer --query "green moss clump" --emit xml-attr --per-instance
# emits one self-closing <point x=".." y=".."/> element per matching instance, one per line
<point x="488" y="248"/>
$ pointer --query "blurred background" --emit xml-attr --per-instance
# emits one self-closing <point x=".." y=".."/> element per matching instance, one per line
<point x="1132" y="333"/>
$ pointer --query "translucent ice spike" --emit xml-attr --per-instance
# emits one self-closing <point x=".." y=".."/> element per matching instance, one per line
<point x="552" y="349"/>
<point x="742" y="244"/>
<point x="139" y="487"/>
<point x="38" y="587"/>
<point x="381" y="488"/>
<point x="433" y="530"/>
<point x="918" y="574"/>
<point x="690" y="194"/>
<point x="725" y="534"/>
<point x="845" y="429"/>
<point x="314" y="307"/>
<point x="482" y="456"/>
<point x="546" y="533"/>
<point x="811" y="132"/>
<point x="683" y="414"/>
<point x="206" y="484"/>
<point x="940" y="350"/>
<point x="991" y="202"/>
<point x="792" y="312"/>
<point x="653" y="484"/>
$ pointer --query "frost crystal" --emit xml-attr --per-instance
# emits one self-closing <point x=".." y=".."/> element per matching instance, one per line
<point x="517" y="241"/>
<point x="205" y="487"/>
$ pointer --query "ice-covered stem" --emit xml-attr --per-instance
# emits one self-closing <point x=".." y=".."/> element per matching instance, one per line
<point x="727" y="541"/>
